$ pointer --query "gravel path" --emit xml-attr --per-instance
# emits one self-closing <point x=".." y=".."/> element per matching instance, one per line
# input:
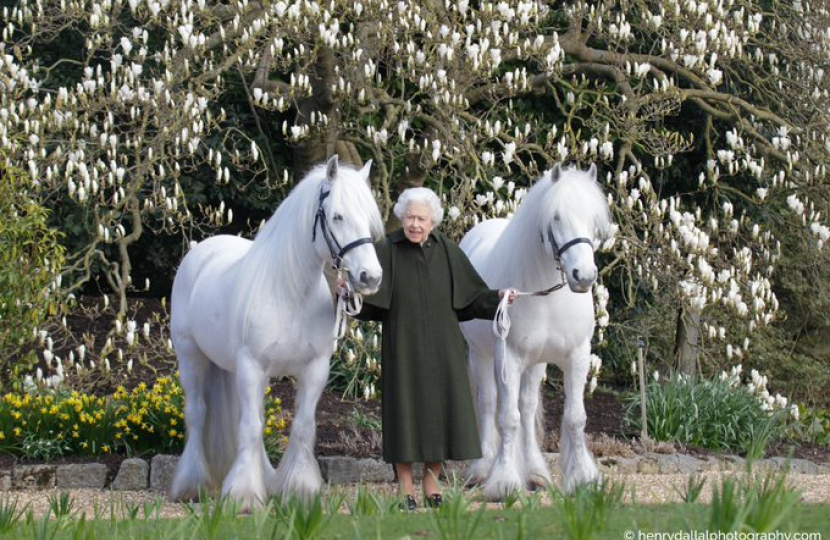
<point x="639" y="488"/>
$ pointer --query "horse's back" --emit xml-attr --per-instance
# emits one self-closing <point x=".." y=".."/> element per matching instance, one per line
<point x="479" y="242"/>
<point x="203" y="283"/>
<point x="209" y="257"/>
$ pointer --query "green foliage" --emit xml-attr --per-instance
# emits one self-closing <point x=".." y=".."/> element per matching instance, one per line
<point x="813" y="425"/>
<point x="360" y="420"/>
<point x="585" y="512"/>
<point x="303" y="519"/>
<point x="61" y="505"/>
<point x="455" y="519"/>
<point x="365" y="503"/>
<point x="10" y="513"/>
<point x="211" y="515"/>
<point x="692" y="489"/>
<point x="797" y="359"/>
<point x="355" y="367"/>
<point x="30" y="260"/>
<point x="758" y="506"/>
<point x="711" y="414"/>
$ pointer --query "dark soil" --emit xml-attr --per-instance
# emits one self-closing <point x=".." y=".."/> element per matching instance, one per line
<point x="340" y="433"/>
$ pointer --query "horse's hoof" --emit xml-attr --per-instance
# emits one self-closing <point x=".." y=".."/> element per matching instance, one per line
<point x="474" y="481"/>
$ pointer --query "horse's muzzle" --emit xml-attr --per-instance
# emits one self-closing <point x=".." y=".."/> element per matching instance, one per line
<point x="366" y="282"/>
<point x="581" y="282"/>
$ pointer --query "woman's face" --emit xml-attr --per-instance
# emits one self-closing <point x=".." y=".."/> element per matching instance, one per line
<point x="417" y="222"/>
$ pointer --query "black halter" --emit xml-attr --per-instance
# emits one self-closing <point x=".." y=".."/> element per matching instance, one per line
<point x="558" y="251"/>
<point x="337" y="252"/>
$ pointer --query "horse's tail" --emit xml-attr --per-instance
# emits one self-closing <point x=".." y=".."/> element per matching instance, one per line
<point x="222" y="414"/>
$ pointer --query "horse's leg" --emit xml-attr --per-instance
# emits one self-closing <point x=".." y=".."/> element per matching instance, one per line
<point x="192" y="471"/>
<point x="505" y="476"/>
<point x="536" y="469"/>
<point x="575" y="460"/>
<point x="298" y="473"/>
<point x="484" y="389"/>
<point x="245" y="482"/>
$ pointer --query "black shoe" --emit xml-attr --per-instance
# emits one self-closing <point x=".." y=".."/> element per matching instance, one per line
<point x="408" y="503"/>
<point x="434" y="500"/>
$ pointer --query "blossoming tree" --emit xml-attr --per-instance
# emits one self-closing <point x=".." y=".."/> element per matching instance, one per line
<point x="709" y="119"/>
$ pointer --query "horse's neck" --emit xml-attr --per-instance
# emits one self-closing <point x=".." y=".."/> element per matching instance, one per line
<point x="287" y="265"/>
<point x="523" y="261"/>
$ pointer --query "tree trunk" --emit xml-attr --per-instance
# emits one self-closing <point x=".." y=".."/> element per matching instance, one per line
<point x="322" y="142"/>
<point x="687" y="342"/>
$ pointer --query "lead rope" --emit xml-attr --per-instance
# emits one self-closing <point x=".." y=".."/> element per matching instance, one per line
<point x="501" y="327"/>
<point x="348" y="303"/>
<point x="501" y="321"/>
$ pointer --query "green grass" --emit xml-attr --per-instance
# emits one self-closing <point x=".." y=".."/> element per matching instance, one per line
<point x="545" y="522"/>
<point x="758" y="504"/>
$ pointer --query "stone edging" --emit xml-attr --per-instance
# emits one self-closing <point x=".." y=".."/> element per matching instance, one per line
<point x="138" y="474"/>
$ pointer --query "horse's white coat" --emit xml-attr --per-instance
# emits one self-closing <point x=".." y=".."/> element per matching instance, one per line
<point x="243" y="311"/>
<point x="554" y="329"/>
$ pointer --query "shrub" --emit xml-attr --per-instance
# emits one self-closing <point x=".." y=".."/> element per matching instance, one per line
<point x="30" y="260"/>
<point x="718" y="414"/>
<point x="147" y="420"/>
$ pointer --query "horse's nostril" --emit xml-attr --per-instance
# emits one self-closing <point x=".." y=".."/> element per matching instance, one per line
<point x="368" y="280"/>
<point x="575" y="274"/>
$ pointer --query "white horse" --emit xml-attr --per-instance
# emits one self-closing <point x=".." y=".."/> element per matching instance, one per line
<point x="244" y="311"/>
<point x="549" y="241"/>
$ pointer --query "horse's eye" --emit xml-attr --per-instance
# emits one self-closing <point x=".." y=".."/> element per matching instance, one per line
<point x="338" y="217"/>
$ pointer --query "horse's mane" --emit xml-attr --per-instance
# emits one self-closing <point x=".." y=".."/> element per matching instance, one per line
<point x="281" y="261"/>
<point x="575" y="197"/>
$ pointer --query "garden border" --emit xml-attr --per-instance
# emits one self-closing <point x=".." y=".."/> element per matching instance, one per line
<point x="136" y="474"/>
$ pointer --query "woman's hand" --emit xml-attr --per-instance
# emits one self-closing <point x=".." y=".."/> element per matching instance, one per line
<point x="341" y="288"/>
<point x="511" y="295"/>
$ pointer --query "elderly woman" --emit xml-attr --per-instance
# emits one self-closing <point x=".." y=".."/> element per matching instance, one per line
<point x="428" y="286"/>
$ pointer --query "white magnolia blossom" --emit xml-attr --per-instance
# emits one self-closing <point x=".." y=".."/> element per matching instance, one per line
<point x="448" y="95"/>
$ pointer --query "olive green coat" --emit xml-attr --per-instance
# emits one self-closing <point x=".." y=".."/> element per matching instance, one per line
<point x="428" y="411"/>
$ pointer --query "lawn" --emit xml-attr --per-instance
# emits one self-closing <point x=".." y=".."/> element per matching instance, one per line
<point x="762" y="504"/>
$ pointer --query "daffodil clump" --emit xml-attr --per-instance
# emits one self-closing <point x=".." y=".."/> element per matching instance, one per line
<point x="145" y="420"/>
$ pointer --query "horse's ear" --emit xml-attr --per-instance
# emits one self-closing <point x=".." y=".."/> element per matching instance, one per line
<point x="332" y="166"/>
<point x="366" y="170"/>
<point x="555" y="173"/>
<point x="592" y="172"/>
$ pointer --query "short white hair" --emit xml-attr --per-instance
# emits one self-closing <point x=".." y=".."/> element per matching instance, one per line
<point x="420" y="195"/>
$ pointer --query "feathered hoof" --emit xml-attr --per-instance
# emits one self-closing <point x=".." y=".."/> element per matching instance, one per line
<point x="301" y="481"/>
<point x="183" y="495"/>
<point x="503" y="482"/>
<point x="190" y="483"/>
<point x="303" y="490"/>
<point x="246" y="500"/>
<point x="536" y="482"/>
<point x="587" y="476"/>
<point x="477" y="471"/>
<point x="245" y="487"/>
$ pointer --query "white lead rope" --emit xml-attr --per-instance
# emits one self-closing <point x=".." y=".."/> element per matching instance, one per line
<point x="348" y="303"/>
<point x="501" y="321"/>
<point x="501" y="326"/>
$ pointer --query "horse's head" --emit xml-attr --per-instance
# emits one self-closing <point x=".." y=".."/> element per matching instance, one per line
<point x="349" y="220"/>
<point x="579" y="221"/>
